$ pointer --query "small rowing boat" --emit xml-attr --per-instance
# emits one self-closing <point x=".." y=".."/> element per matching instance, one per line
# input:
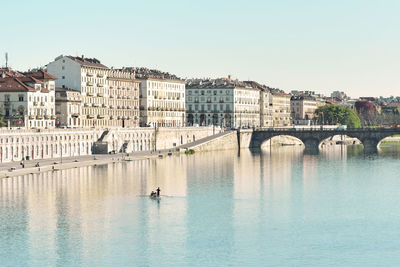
<point x="155" y="197"/>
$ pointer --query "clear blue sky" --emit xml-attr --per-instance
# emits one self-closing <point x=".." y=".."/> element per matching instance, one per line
<point x="321" y="45"/>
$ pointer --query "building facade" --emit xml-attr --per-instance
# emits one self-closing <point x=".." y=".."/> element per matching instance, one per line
<point x="28" y="100"/>
<point x="162" y="98"/>
<point x="68" y="108"/>
<point x="280" y="105"/>
<point x="87" y="76"/>
<point x="123" y="98"/>
<point x="303" y="107"/>
<point x="224" y="102"/>
<point x="266" y="118"/>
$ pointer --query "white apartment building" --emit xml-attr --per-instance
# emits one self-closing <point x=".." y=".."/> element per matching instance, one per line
<point x="68" y="108"/>
<point x="87" y="76"/>
<point x="224" y="102"/>
<point x="123" y="98"/>
<point x="162" y="98"/>
<point x="28" y="100"/>
<point x="280" y="105"/>
<point x="266" y="118"/>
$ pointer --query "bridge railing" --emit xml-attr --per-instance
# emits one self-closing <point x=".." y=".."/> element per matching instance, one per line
<point x="330" y="129"/>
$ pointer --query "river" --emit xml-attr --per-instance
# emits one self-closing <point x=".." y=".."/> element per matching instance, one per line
<point x="267" y="208"/>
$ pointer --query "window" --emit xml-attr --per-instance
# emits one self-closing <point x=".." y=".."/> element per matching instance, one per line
<point x="20" y="98"/>
<point x="63" y="77"/>
<point x="63" y="67"/>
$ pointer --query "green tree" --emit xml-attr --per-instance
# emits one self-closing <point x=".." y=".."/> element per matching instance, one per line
<point x="339" y="115"/>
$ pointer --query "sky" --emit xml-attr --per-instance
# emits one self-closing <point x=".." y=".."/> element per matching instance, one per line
<point x="319" y="45"/>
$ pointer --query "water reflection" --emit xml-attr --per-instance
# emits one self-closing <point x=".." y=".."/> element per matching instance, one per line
<point x="217" y="208"/>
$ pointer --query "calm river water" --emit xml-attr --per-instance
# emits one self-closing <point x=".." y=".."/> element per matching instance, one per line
<point x="278" y="208"/>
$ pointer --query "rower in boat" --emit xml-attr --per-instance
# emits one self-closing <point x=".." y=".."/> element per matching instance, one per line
<point x="158" y="192"/>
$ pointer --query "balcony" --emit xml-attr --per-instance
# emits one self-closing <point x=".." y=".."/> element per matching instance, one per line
<point x="90" y="116"/>
<point x="39" y="117"/>
<point x="89" y="74"/>
<point x="100" y="116"/>
<point x="90" y="94"/>
<point x="89" y="84"/>
<point x="31" y="117"/>
<point x="75" y="115"/>
<point x="87" y="105"/>
<point x="35" y="103"/>
<point x="100" y="94"/>
<point x="100" y="85"/>
<point x="100" y="75"/>
<point x="47" y="117"/>
<point x="42" y="103"/>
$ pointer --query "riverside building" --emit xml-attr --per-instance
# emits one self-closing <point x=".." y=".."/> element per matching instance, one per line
<point x="303" y="107"/>
<point x="266" y="118"/>
<point x="68" y="108"/>
<point x="224" y="101"/>
<point x="123" y="98"/>
<point x="162" y="98"/>
<point x="28" y="100"/>
<point x="87" y="76"/>
<point x="280" y="105"/>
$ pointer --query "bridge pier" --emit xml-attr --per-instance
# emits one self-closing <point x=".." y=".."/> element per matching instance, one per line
<point x="311" y="145"/>
<point x="370" y="145"/>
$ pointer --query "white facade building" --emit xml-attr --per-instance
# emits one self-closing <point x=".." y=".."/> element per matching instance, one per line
<point x="162" y="98"/>
<point x="68" y="108"/>
<point x="87" y="76"/>
<point x="224" y="102"/>
<point x="266" y="112"/>
<point x="29" y="100"/>
<point x="280" y="105"/>
<point x="123" y="98"/>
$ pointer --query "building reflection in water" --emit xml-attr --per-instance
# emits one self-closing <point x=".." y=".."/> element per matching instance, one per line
<point x="218" y="203"/>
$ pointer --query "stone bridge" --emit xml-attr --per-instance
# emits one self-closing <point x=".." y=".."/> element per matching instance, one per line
<point x="312" y="138"/>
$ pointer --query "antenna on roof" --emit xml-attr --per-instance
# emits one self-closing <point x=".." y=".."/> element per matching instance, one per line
<point x="6" y="60"/>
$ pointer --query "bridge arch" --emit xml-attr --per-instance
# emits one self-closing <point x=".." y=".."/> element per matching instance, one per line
<point x="281" y="139"/>
<point x="312" y="138"/>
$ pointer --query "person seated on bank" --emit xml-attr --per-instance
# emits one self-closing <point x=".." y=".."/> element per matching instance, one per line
<point x="153" y="194"/>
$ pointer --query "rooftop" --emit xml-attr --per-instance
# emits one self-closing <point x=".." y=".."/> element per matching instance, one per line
<point x="219" y="83"/>
<point x="145" y="73"/>
<point x="89" y="62"/>
<point x="25" y="82"/>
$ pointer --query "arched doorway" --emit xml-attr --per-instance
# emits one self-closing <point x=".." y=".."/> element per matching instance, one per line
<point x="190" y="119"/>
<point x="228" y="120"/>
<point x="215" y="119"/>
<point x="203" y="119"/>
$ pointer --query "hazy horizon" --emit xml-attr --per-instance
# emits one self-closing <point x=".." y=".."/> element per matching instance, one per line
<point x="322" y="46"/>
